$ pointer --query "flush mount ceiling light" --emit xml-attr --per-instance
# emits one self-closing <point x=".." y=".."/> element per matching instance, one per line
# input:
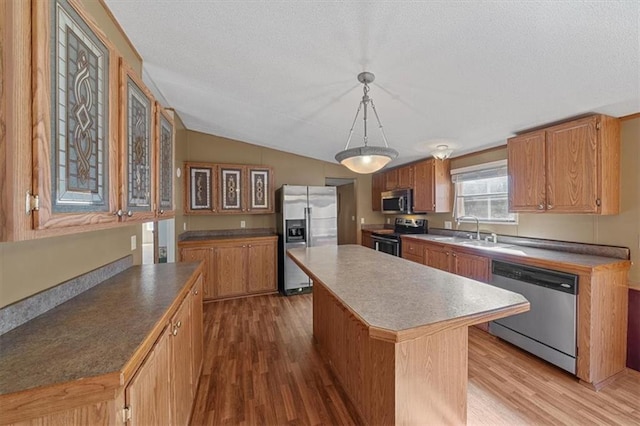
<point x="366" y="159"/>
<point x="442" y="152"/>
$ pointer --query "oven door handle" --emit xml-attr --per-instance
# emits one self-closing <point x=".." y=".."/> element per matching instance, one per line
<point x="378" y="238"/>
<point x="377" y="248"/>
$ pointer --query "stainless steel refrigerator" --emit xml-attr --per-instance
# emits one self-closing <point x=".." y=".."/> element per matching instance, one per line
<point x="307" y="216"/>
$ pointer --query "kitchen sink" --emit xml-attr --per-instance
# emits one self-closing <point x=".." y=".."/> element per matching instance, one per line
<point x="443" y="238"/>
<point x="484" y="244"/>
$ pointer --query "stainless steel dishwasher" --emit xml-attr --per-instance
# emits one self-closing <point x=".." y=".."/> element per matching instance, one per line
<point x="548" y="329"/>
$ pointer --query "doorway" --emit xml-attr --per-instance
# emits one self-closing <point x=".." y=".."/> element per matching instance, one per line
<point x="158" y="242"/>
<point x="346" y="194"/>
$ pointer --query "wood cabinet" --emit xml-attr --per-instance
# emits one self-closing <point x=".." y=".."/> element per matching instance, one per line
<point x="181" y="363"/>
<point x="377" y="186"/>
<point x="367" y="240"/>
<point x="164" y="163"/>
<point x="405" y="177"/>
<point x="197" y="334"/>
<point x="89" y="166"/>
<point x="432" y="190"/>
<point x="447" y="258"/>
<point x="398" y="178"/>
<point x="148" y="395"/>
<point x="572" y="167"/>
<point x="228" y="188"/>
<point x="390" y="179"/>
<point x="235" y="266"/>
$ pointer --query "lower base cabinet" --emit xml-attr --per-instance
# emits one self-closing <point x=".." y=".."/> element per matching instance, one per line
<point x="235" y="267"/>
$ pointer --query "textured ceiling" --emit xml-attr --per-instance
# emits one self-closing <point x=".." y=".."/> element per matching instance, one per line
<point x="282" y="74"/>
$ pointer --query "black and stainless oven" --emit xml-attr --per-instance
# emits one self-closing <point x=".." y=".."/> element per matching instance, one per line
<point x="391" y="243"/>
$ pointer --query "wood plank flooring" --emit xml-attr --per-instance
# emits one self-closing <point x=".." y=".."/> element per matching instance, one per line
<point x="261" y="367"/>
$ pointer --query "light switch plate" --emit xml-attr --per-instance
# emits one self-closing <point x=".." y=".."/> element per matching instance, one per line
<point x="134" y="242"/>
<point x="388" y="220"/>
<point x="447" y="224"/>
<point x="242" y="224"/>
<point x="362" y="220"/>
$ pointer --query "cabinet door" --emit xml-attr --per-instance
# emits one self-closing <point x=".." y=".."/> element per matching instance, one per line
<point x="231" y="189"/>
<point x="261" y="191"/>
<point x="197" y="254"/>
<point x="164" y="163"/>
<point x="262" y="260"/>
<point x="148" y="395"/>
<point x="424" y="189"/>
<point x="572" y="184"/>
<point x="197" y="325"/>
<point x="413" y="250"/>
<point x="200" y="188"/>
<point x="471" y="266"/>
<point x="181" y="363"/>
<point x="437" y="257"/>
<point x="137" y="136"/>
<point x="74" y="121"/>
<point x="367" y="241"/>
<point x="526" y="170"/>
<point x="390" y="179"/>
<point x="229" y="270"/>
<point x="377" y="186"/>
<point x="405" y="177"/>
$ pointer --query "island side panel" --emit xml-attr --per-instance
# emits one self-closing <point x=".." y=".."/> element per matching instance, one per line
<point x="431" y="378"/>
<point x="364" y="366"/>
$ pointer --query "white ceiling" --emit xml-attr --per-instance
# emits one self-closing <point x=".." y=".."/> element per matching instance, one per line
<point x="282" y="74"/>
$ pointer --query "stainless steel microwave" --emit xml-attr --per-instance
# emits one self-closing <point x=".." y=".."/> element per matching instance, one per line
<point x="399" y="201"/>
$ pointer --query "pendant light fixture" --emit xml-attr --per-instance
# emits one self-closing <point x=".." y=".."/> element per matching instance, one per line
<point x="366" y="159"/>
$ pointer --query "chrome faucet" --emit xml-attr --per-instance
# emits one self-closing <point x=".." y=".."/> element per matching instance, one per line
<point x="458" y="219"/>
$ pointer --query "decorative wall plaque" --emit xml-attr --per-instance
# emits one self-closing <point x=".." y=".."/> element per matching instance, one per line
<point x="259" y="189"/>
<point x="200" y="190"/>
<point x="231" y="189"/>
<point x="79" y="114"/>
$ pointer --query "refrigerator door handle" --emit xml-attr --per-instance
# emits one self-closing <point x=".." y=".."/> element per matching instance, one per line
<point x="307" y="224"/>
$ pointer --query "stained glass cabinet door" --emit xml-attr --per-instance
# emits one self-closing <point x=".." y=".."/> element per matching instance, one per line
<point x="260" y="189"/>
<point x="232" y="184"/>
<point x="75" y="78"/>
<point x="137" y="147"/>
<point x="164" y="163"/>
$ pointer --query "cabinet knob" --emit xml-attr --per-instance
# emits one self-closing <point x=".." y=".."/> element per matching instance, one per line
<point x="118" y="213"/>
<point x="160" y="211"/>
<point x="196" y="292"/>
<point x="540" y="206"/>
<point x="447" y="253"/>
<point x="249" y="245"/>
<point x="455" y="255"/>
<point x="179" y="324"/>
<point x="129" y="213"/>
<point x="549" y="206"/>
<point x="175" y="332"/>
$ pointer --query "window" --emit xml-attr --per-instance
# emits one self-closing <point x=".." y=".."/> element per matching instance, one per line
<point x="483" y="191"/>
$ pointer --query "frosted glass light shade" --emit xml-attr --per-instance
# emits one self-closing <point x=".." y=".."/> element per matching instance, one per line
<point x="366" y="159"/>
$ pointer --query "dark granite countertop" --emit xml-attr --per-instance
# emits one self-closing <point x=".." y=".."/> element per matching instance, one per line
<point x="94" y="334"/>
<point x="226" y="234"/>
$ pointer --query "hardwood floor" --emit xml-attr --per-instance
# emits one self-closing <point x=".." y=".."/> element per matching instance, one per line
<point x="261" y="368"/>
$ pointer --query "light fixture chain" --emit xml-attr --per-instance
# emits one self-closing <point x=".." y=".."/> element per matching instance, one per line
<point x="384" y="136"/>
<point x="352" y="126"/>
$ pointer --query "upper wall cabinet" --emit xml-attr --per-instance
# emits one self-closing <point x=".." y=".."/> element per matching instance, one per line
<point x="572" y="167"/>
<point x="165" y="148"/>
<point x="137" y="147"/>
<point x="228" y="188"/>
<point x="432" y="186"/>
<point x="74" y="119"/>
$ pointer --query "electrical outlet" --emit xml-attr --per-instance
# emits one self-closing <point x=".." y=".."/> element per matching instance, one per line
<point x="447" y="224"/>
<point x="242" y="224"/>
<point x="362" y="220"/>
<point x="134" y="243"/>
<point x="388" y="220"/>
<point x="184" y="226"/>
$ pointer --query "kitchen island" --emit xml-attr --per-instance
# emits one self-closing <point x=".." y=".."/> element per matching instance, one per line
<point x="395" y="332"/>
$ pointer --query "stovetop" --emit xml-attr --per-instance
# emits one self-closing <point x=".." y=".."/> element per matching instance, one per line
<point x="405" y="226"/>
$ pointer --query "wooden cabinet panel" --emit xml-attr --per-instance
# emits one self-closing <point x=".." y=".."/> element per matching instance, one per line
<point x="259" y="191"/>
<point x="471" y="266"/>
<point x="137" y="134"/>
<point x="377" y="186"/>
<point x="432" y="186"/>
<point x="390" y="179"/>
<point x="148" y="395"/>
<point x="437" y="257"/>
<point x="229" y="270"/>
<point x="165" y="137"/>
<point x="261" y="275"/>
<point x="231" y="190"/>
<point x="197" y="325"/>
<point x="367" y="240"/>
<point x="573" y="167"/>
<point x="74" y="118"/>
<point x="405" y="177"/>
<point x="199" y="191"/>
<point x="413" y="250"/>
<point x="526" y="169"/>
<point x="196" y="254"/>
<point x="181" y="364"/>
